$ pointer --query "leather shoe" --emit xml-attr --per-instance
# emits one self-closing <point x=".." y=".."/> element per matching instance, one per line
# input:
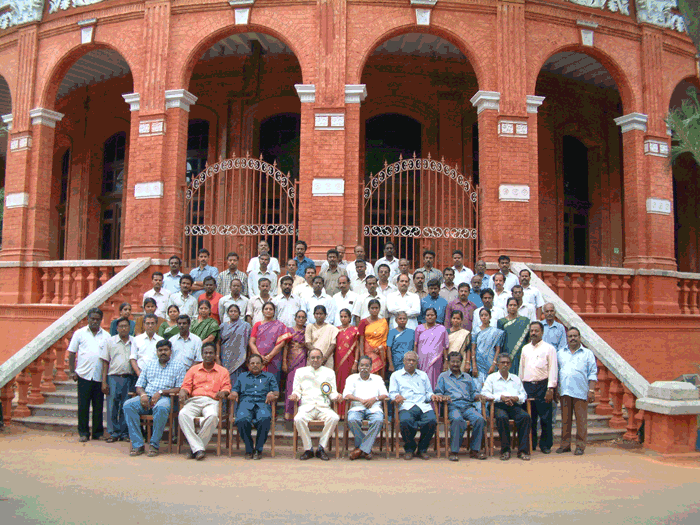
<point x="355" y="454"/>
<point x="137" y="451"/>
<point x="579" y="451"/>
<point x="505" y="455"/>
<point x="524" y="456"/>
<point x="561" y="450"/>
<point x="111" y="439"/>
<point x="408" y="456"/>
<point x="82" y="439"/>
<point x="257" y="454"/>
<point x="153" y="452"/>
<point x="453" y="457"/>
<point x="308" y="454"/>
<point x="424" y="455"/>
<point x="189" y="455"/>
<point x="321" y="454"/>
<point x="474" y="454"/>
<point x="199" y="456"/>
<point x="368" y="456"/>
<point x="546" y="451"/>
<point x="249" y="456"/>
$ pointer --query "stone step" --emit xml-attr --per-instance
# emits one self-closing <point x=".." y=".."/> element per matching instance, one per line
<point x="65" y="386"/>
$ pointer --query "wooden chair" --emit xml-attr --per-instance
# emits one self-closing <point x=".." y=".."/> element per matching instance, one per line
<point x="223" y="424"/>
<point x="491" y="421"/>
<point x="446" y="427"/>
<point x="397" y="427"/>
<point x="147" y="422"/>
<point x="317" y="424"/>
<point x="365" y="424"/>
<point x="233" y="429"/>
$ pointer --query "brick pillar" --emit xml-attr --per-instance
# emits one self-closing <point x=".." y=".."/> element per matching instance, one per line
<point x="354" y="179"/>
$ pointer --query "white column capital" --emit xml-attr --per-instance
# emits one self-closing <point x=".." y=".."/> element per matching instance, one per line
<point x="632" y="121"/>
<point x="179" y="98"/>
<point x="533" y="103"/>
<point x="45" y="116"/>
<point x="134" y="101"/>
<point x="7" y="119"/>
<point x="306" y="92"/>
<point x="486" y="100"/>
<point x="355" y="93"/>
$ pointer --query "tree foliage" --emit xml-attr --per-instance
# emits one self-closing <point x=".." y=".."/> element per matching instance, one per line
<point x="685" y="123"/>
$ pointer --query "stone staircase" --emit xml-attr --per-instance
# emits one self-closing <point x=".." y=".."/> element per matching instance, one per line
<point x="59" y="413"/>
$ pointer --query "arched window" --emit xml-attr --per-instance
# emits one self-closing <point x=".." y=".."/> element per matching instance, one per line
<point x="113" y="179"/>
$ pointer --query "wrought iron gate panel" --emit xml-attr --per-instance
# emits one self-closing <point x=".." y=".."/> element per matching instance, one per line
<point x="234" y="204"/>
<point x="420" y="204"/>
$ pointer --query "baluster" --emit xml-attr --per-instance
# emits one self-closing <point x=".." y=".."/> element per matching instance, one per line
<point x="547" y="278"/>
<point x="561" y="285"/>
<point x="604" y="408"/>
<point x="45" y="285"/>
<point x="626" y="294"/>
<point x="23" y="381"/>
<point x="601" y="293"/>
<point x="79" y="285"/>
<point x="7" y="394"/>
<point x="683" y="292"/>
<point x="49" y="357"/>
<point x="600" y="368"/>
<point x="693" y="300"/>
<point x="575" y="287"/>
<point x="588" y="290"/>
<point x="629" y="401"/>
<point x="616" y="393"/>
<point x="615" y="294"/>
<point x="61" y="347"/>
<point x="91" y="280"/>
<point x="104" y="277"/>
<point x="57" y="281"/>
<point x="67" y="286"/>
<point x="36" y="369"/>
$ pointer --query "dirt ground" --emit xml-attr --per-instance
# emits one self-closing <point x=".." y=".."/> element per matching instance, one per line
<point x="48" y="477"/>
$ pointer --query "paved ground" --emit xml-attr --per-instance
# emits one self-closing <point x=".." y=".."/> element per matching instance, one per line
<point x="50" y="478"/>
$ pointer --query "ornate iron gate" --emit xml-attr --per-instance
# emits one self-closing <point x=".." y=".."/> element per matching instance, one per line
<point x="420" y="204"/>
<point x="234" y="204"/>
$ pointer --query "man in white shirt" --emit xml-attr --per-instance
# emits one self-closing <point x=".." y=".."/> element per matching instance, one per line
<point x="143" y="351"/>
<point x="526" y="310"/>
<point x="171" y="280"/>
<point x="184" y="300"/>
<point x="480" y="270"/>
<point x="341" y="258"/>
<point x="315" y="386"/>
<point x="384" y="287"/>
<point x="359" y="282"/>
<point x="496" y="311"/>
<point x="86" y="344"/>
<point x="235" y="297"/>
<point x="361" y="309"/>
<point x="462" y="273"/>
<point x="159" y="294"/>
<point x="305" y="289"/>
<point x="405" y="269"/>
<point x="366" y="392"/>
<point x="389" y="259"/>
<point x="504" y="268"/>
<point x="187" y="347"/>
<point x="531" y="295"/>
<point x="501" y="295"/>
<point x="508" y="393"/>
<point x="254" y="263"/>
<point x="403" y="301"/>
<point x="263" y="272"/>
<point x="344" y="299"/>
<point x="319" y="297"/>
<point x="291" y="270"/>
<point x="359" y="255"/>
<point x="288" y="304"/>
<point x="253" y="311"/>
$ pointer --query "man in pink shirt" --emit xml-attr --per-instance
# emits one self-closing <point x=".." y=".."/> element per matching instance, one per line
<point x="538" y="372"/>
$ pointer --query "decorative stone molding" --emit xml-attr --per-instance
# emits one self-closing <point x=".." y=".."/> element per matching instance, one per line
<point x="587" y="37"/>
<point x="64" y="5"/>
<point x="306" y="92"/>
<point x="329" y="121"/>
<point x="87" y="30"/>
<point x="355" y="93"/>
<point x="149" y="128"/>
<point x="17" y="200"/>
<point x="656" y="148"/>
<point x="7" y="119"/>
<point x="512" y="128"/>
<point x="179" y="98"/>
<point x="134" y="101"/>
<point x="533" y="102"/>
<point x="241" y="11"/>
<point x="423" y="17"/>
<point x="632" y="121"/>
<point x="659" y="13"/>
<point x="659" y="206"/>
<point x="328" y="187"/>
<point x="46" y="117"/>
<point x="148" y="190"/>
<point x="21" y="143"/>
<point x="21" y="12"/>
<point x="587" y="23"/>
<point x="514" y="193"/>
<point x="486" y="100"/>
<point x="430" y="3"/>
<point x="616" y="6"/>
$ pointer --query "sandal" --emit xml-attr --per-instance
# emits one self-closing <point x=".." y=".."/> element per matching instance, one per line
<point x="505" y="456"/>
<point x="153" y="453"/>
<point x="111" y="439"/>
<point x="524" y="456"/>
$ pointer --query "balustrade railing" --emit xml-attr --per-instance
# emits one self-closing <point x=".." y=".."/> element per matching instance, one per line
<point x="69" y="282"/>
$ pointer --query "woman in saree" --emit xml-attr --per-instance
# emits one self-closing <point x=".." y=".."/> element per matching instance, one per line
<point x="432" y="343"/>
<point x="346" y="352"/>
<point x="169" y="328"/>
<point x="486" y="345"/>
<point x="293" y="357"/>
<point x="234" y="335"/>
<point x="517" y="329"/>
<point x="205" y="326"/>
<point x="322" y="336"/>
<point x="149" y="307"/>
<point x="264" y="340"/>
<point x="373" y="334"/>
<point x="459" y="338"/>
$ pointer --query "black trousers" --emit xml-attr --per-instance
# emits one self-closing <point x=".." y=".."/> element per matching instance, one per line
<point x="413" y="420"/>
<point x="503" y="414"/>
<point x="540" y="410"/>
<point x="90" y="393"/>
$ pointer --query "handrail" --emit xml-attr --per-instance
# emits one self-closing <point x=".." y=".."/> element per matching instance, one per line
<point x="32" y="351"/>
<point x="613" y="361"/>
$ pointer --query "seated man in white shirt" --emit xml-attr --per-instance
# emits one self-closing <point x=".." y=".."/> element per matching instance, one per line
<point x="366" y="391"/>
<point x="508" y="393"/>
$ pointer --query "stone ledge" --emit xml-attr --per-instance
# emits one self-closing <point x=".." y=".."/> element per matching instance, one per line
<point x="670" y="408"/>
<point x="673" y="391"/>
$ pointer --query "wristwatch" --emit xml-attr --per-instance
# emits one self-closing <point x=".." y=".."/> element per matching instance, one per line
<point x="160" y="392"/>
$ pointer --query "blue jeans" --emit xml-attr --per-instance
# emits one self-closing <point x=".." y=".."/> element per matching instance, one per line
<point x="362" y="441"/>
<point x="133" y="412"/>
<point x="119" y="388"/>
<point x="459" y="415"/>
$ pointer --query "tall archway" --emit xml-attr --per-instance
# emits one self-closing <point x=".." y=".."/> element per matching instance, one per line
<point x="580" y="151"/>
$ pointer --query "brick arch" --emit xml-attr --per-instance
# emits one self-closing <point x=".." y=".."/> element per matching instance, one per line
<point x="409" y="107"/>
<point x="630" y="100"/>
<point x="355" y="74"/>
<point x="5" y="86"/>
<point x="690" y="79"/>
<point x="184" y="69"/>
<point x="58" y="70"/>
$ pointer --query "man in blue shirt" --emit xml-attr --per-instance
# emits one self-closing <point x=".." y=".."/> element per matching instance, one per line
<point x="554" y="332"/>
<point x="255" y="391"/>
<point x="202" y="271"/>
<point x="460" y="392"/>
<point x="577" y="378"/>
<point x="410" y="389"/>
<point x="433" y="300"/>
<point x="303" y="262"/>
